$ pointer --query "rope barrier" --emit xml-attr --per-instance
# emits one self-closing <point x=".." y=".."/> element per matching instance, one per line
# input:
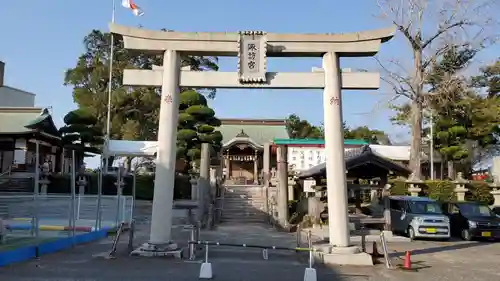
<point x="215" y="243"/>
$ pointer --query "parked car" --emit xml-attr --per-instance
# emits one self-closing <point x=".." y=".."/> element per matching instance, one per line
<point x="496" y="211"/>
<point x="418" y="217"/>
<point x="471" y="220"/>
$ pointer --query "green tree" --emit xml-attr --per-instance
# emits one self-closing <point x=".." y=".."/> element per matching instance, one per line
<point x="367" y="134"/>
<point x="197" y="124"/>
<point x="489" y="79"/>
<point x="465" y="121"/>
<point x="431" y="29"/>
<point x="302" y="129"/>
<point x="134" y="110"/>
<point x="82" y="132"/>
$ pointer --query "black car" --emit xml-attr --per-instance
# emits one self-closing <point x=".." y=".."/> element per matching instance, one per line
<point x="470" y="220"/>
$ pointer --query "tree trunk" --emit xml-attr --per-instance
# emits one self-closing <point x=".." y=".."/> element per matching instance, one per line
<point x="441" y="166"/>
<point x="416" y="142"/>
<point x="451" y="172"/>
<point x="128" y="164"/>
<point x="416" y="115"/>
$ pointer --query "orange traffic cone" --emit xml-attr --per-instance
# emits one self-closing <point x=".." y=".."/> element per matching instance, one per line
<point x="407" y="261"/>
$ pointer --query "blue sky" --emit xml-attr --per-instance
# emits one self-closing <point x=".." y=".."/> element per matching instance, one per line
<point x="41" y="39"/>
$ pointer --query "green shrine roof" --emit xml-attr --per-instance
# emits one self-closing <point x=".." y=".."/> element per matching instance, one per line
<point x="315" y="142"/>
<point x="258" y="130"/>
<point x="20" y="120"/>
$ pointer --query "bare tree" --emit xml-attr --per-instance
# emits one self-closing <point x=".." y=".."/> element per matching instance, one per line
<point x="431" y="28"/>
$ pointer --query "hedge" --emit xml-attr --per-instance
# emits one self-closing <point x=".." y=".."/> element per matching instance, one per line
<point x="443" y="190"/>
<point x="144" y="187"/>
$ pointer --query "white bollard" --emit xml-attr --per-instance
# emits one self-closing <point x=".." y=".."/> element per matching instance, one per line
<point x="310" y="272"/>
<point x="206" y="267"/>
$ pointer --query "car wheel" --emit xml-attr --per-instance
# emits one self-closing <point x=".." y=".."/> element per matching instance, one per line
<point x="411" y="233"/>
<point x="466" y="235"/>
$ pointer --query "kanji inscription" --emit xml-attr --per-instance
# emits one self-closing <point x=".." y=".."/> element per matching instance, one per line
<point x="334" y="101"/>
<point x="252" y="57"/>
<point x="168" y="99"/>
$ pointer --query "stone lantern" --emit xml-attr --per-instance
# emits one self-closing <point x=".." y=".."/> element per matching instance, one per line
<point x="495" y="192"/>
<point x="44" y="177"/>
<point x="81" y="181"/>
<point x="194" y="187"/>
<point x="120" y="183"/>
<point x="460" y="188"/>
<point x="414" y="185"/>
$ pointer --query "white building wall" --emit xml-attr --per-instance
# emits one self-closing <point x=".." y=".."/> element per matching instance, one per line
<point x="303" y="158"/>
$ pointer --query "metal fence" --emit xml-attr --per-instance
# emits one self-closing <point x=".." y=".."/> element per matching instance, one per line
<point x="54" y="214"/>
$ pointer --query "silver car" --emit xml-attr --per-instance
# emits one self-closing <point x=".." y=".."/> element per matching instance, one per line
<point x="418" y="217"/>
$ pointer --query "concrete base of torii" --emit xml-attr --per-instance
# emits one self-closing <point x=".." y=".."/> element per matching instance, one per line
<point x="154" y="250"/>
<point x="351" y="255"/>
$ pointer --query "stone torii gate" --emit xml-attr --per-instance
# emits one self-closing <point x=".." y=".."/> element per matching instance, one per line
<point x="252" y="48"/>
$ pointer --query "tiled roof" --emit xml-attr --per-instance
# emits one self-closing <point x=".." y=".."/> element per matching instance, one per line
<point x="315" y="142"/>
<point x="14" y="119"/>
<point x="18" y="120"/>
<point x="260" y="131"/>
<point x="353" y="157"/>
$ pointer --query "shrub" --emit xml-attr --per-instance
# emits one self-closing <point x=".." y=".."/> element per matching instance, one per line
<point x="443" y="190"/>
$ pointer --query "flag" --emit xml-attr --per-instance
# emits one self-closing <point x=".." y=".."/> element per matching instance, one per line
<point x="129" y="4"/>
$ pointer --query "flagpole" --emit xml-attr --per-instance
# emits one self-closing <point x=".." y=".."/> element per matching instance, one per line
<point x="110" y="85"/>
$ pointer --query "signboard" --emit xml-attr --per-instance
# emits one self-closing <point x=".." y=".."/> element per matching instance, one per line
<point x="252" y="57"/>
<point x="308" y="185"/>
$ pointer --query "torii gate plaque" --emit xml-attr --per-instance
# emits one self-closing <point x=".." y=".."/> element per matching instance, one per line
<point x="252" y="48"/>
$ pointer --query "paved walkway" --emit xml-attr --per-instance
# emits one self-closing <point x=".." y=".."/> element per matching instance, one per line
<point x="437" y="261"/>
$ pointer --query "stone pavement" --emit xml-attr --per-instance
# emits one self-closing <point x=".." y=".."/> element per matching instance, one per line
<point x="437" y="261"/>
<point x="434" y="261"/>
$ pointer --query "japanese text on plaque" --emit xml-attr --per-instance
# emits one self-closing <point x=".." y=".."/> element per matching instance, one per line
<point x="252" y="51"/>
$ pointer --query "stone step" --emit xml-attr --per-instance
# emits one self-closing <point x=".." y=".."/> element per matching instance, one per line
<point x="246" y="220"/>
<point x="247" y="215"/>
<point x="232" y="199"/>
<point x="244" y="212"/>
<point x="244" y="203"/>
<point x="242" y="206"/>
<point x="238" y="192"/>
<point x="244" y="188"/>
<point x="244" y="197"/>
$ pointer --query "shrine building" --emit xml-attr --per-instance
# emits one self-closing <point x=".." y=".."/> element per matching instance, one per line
<point x="243" y="148"/>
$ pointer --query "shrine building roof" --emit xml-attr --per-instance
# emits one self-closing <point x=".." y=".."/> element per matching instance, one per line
<point x="22" y="120"/>
<point x="258" y="131"/>
<point x="315" y="142"/>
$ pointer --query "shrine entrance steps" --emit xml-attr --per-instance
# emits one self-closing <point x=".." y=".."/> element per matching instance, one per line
<point x="244" y="204"/>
